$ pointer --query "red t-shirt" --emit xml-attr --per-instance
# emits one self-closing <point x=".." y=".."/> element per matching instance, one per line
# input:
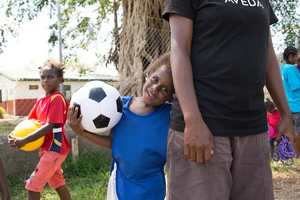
<point x="273" y="120"/>
<point x="53" y="109"/>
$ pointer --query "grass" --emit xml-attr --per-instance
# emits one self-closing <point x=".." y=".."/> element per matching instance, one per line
<point x="6" y="128"/>
<point x="279" y="167"/>
<point x="86" y="179"/>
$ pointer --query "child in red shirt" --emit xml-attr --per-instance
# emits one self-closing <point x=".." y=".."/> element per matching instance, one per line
<point x="51" y="109"/>
<point x="273" y="118"/>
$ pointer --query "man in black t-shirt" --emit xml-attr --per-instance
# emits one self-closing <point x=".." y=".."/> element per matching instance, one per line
<point x="222" y="56"/>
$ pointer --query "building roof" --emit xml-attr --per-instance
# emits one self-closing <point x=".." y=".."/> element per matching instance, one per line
<point x="69" y="76"/>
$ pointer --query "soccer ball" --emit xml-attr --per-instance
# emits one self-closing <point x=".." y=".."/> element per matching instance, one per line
<point x="100" y="104"/>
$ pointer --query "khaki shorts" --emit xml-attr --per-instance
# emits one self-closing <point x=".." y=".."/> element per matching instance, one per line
<point x="296" y="122"/>
<point x="48" y="170"/>
<point x="239" y="169"/>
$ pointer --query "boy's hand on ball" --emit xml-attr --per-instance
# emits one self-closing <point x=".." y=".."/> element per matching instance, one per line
<point x="19" y="142"/>
<point x="73" y="122"/>
<point x="10" y="139"/>
<point x="16" y="142"/>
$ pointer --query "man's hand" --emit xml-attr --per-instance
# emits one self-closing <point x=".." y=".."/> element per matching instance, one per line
<point x="73" y="122"/>
<point x="285" y="127"/>
<point x="198" y="143"/>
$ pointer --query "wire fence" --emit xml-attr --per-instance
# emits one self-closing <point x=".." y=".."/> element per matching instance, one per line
<point x="20" y="89"/>
<point x="145" y="46"/>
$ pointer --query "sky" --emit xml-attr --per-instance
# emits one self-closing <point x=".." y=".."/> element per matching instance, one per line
<point x="30" y="48"/>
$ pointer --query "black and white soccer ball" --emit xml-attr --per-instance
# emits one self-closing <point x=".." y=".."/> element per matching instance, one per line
<point x="100" y="104"/>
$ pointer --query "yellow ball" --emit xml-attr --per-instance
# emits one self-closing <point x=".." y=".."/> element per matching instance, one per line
<point x="26" y="127"/>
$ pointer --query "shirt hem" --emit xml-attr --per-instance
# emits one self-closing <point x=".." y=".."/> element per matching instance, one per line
<point x="228" y="133"/>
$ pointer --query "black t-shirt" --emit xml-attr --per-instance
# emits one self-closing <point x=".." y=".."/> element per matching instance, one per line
<point x="229" y="58"/>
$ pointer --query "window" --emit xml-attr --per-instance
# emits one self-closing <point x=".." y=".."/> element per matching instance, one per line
<point x="33" y="87"/>
<point x="67" y="91"/>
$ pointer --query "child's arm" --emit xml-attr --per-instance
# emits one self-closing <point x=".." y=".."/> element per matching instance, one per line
<point x="20" y="142"/>
<point x="4" y="190"/>
<point x="75" y="124"/>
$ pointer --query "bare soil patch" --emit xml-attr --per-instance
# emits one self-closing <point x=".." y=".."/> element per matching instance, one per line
<point x="286" y="180"/>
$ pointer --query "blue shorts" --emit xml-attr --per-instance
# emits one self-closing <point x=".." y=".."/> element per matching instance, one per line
<point x="271" y="141"/>
<point x="296" y="122"/>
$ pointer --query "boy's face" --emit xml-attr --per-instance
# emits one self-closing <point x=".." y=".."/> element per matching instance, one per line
<point x="49" y="80"/>
<point x="298" y="61"/>
<point x="159" y="87"/>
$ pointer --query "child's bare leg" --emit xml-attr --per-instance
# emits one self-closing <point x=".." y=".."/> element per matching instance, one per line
<point x="33" y="195"/>
<point x="271" y="151"/>
<point x="297" y="145"/>
<point x="63" y="192"/>
<point x="4" y="190"/>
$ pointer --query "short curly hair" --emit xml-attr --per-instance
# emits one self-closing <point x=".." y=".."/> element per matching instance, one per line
<point x="163" y="60"/>
<point x="59" y="70"/>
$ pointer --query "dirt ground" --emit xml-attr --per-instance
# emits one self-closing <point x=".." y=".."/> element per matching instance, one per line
<point x="286" y="182"/>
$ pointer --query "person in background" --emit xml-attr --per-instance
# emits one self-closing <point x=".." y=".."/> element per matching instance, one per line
<point x="51" y="110"/>
<point x="218" y="138"/>
<point x="138" y="142"/>
<point x="298" y="62"/>
<point x="291" y="82"/>
<point x="4" y="190"/>
<point x="273" y="118"/>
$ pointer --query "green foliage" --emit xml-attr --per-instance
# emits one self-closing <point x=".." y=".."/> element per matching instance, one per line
<point x="289" y="19"/>
<point x="15" y="12"/>
<point x="81" y="68"/>
<point x="2" y="112"/>
<point x="86" y="165"/>
<point x="81" y="20"/>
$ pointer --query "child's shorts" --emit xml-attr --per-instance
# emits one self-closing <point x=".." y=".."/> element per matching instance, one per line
<point x="296" y="121"/>
<point x="271" y="141"/>
<point x="111" y="189"/>
<point x="48" y="170"/>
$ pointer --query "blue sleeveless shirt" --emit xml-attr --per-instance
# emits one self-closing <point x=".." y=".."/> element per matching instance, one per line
<point x="139" y="149"/>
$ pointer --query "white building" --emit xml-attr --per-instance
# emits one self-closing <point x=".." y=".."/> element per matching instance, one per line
<point x="19" y="89"/>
